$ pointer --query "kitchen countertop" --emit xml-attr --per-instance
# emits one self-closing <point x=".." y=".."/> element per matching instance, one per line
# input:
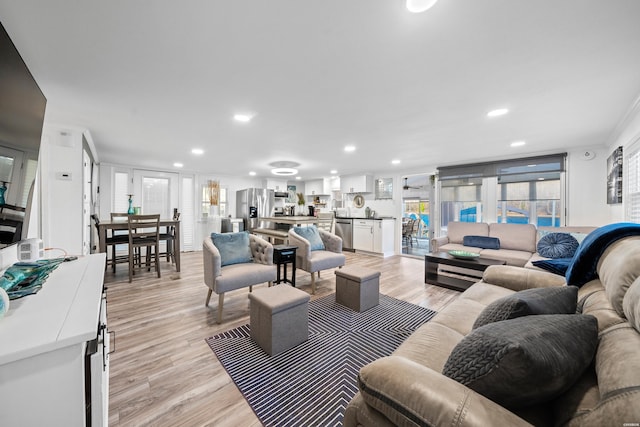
<point x="378" y="218"/>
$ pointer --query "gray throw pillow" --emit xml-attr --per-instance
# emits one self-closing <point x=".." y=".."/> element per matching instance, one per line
<point x="234" y="248"/>
<point x="525" y="361"/>
<point x="553" y="300"/>
<point x="557" y="245"/>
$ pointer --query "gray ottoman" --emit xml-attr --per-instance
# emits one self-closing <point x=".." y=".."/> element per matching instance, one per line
<point x="357" y="287"/>
<point x="279" y="317"/>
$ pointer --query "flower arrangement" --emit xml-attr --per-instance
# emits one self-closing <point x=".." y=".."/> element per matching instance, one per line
<point x="300" y="199"/>
<point x="213" y="188"/>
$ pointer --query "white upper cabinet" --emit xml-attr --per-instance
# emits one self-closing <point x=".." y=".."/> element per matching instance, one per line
<point x="356" y="183"/>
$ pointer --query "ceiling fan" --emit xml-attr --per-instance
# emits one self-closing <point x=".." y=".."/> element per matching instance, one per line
<point x="406" y="185"/>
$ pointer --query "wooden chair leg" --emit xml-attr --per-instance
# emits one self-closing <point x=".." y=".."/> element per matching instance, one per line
<point x="313" y="284"/>
<point x="206" y="302"/>
<point x="220" y="302"/>
<point x="157" y="250"/>
<point x="131" y="261"/>
<point x="250" y="288"/>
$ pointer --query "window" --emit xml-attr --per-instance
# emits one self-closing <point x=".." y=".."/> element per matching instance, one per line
<point x="120" y="192"/>
<point x="525" y="191"/>
<point x="632" y="174"/>
<point x="206" y="201"/>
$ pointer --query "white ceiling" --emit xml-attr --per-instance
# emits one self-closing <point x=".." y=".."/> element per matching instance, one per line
<point x="153" y="79"/>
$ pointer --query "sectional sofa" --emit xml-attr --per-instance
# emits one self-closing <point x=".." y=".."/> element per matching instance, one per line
<point x="517" y="242"/>
<point x="409" y="388"/>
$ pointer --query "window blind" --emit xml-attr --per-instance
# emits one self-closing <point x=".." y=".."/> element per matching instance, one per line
<point x="632" y="171"/>
<point x="525" y="166"/>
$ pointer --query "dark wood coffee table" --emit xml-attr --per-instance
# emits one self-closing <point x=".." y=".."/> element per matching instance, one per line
<point x="462" y="281"/>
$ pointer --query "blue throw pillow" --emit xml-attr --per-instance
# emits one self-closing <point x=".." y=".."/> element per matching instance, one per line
<point x="557" y="245"/>
<point x="312" y="235"/>
<point x="484" y="242"/>
<point x="234" y="247"/>
<point x="557" y="266"/>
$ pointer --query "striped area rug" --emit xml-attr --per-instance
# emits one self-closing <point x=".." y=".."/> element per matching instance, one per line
<point x="312" y="383"/>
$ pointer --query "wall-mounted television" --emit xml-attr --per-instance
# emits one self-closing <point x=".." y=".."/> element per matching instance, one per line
<point x="22" y="108"/>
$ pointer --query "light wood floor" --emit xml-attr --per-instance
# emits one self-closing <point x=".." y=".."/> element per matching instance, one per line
<point x="163" y="373"/>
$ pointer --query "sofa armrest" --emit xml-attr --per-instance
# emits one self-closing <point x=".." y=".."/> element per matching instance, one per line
<point x="436" y="242"/>
<point x="212" y="262"/>
<point x="261" y="250"/>
<point x="304" y="247"/>
<point x="408" y="393"/>
<point x="520" y="278"/>
<point x="331" y="242"/>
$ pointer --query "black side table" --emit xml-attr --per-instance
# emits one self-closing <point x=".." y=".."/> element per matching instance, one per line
<point x="283" y="255"/>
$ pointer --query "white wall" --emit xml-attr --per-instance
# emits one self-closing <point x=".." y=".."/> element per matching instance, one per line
<point x="587" y="188"/>
<point x="625" y="135"/>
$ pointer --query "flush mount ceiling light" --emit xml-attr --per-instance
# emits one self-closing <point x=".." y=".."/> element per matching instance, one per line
<point x="498" y="112"/>
<point x="417" y="6"/>
<point x="284" y="168"/>
<point x="284" y="171"/>
<point x="244" y="118"/>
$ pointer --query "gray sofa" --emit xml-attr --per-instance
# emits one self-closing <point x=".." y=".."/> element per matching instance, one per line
<point x="408" y="388"/>
<point x="517" y="241"/>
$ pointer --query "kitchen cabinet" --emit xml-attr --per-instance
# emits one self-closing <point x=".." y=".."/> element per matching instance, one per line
<point x="356" y="183"/>
<point x="275" y="184"/>
<point x="315" y="187"/>
<point x="363" y="234"/>
<point x="374" y="235"/>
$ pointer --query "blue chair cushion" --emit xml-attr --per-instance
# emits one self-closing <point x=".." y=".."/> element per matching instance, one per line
<point x="557" y="245"/>
<point x="312" y="235"/>
<point x="484" y="242"/>
<point x="234" y="248"/>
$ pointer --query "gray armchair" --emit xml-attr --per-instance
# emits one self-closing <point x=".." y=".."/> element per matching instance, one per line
<point x="221" y="279"/>
<point x="314" y="261"/>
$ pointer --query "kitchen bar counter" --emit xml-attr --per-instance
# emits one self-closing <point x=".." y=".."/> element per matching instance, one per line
<point x="291" y="220"/>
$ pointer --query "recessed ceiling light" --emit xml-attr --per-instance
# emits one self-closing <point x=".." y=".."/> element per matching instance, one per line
<point x="498" y="112"/>
<point x="197" y="151"/>
<point x="178" y="165"/>
<point x="242" y="118"/>
<point x="395" y="161"/>
<point x="298" y="177"/>
<point x="517" y="143"/>
<point x="252" y="173"/>
<point x="350" y="148"/>
<point x="284" y="171"/>
<point x="334" y="171"/>
<point x="417" y="6"/>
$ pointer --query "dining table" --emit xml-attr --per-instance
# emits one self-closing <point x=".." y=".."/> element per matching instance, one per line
<point x="105" y="226"/>
<point x="291" y="220"/>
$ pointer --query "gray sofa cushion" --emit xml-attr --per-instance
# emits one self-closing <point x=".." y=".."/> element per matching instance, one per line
<point x="525" y="361"/>
<point x="555" y="300"/>
<point x="484" y="242"/>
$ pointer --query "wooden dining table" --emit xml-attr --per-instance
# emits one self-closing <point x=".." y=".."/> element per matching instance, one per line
<point x="104" y="226"/>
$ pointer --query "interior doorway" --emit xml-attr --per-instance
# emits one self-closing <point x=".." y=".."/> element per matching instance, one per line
<point x="416" y="210"/>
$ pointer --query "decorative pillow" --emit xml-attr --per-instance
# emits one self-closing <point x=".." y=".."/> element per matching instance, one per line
<point x="312" y="235"/>
<point x="554" y="300"/>
<point x="525" y="361"/>
<point x="234" y="247"/>
<point x="557" y="245"/>
<point x="557" y="266"/>
<point x="483" y="242"/>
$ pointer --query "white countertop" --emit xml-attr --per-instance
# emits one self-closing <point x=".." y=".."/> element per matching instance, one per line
<point x="64" y="312"/>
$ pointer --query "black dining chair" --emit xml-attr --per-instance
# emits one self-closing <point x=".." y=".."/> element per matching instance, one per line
<point x="144" y="232"/>
<point x="112" y="241"/>
<point x="169" y="237"/>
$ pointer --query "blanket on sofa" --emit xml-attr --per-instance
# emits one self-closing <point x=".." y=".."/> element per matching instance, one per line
<point x="585" y="261"/>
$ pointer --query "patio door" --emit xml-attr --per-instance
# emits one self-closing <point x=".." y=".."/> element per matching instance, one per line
<point x="156" y="192"/>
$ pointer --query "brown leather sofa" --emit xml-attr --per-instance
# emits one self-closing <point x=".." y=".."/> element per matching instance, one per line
<point x="607" y="394"/>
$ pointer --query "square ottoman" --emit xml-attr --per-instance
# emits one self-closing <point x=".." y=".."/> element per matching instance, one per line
<point x="279" y="317"/>
<point x="357" y="287"/>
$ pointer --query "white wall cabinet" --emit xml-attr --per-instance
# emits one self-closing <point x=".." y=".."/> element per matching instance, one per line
<point x="356" y="183"/>
<point x="315" y="187"/>
<point x="275" y="184"/>
<point x="374" y="235"/>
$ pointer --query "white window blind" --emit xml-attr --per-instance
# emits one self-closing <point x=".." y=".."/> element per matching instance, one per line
<point x="120" y="192"/>
<point x="187" y="218"/>
<point x="632" y="172"/>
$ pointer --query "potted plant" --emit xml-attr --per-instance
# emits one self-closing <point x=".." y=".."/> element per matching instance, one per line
<point x="301" y="202"/>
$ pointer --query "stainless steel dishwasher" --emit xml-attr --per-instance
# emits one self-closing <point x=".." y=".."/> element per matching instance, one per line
<point x="344" y="229"/>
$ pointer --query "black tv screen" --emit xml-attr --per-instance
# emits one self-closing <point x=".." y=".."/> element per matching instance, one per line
<point x="22" y="108"/>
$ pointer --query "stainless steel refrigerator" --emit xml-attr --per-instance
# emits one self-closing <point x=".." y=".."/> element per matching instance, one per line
<point x="253" y="204"/>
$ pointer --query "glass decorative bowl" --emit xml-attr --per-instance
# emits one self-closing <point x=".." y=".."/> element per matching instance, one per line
<point x="463" y="254"/>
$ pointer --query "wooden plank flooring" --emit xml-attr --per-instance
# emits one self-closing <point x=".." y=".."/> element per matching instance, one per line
<point x="163" y="373"/>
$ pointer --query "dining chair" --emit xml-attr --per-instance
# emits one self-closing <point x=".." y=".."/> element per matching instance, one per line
<point x="112" y="240"/>
<point x="325" y="221"/>
<point x="169" y="237"/>
<point x="144" y="232"/>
